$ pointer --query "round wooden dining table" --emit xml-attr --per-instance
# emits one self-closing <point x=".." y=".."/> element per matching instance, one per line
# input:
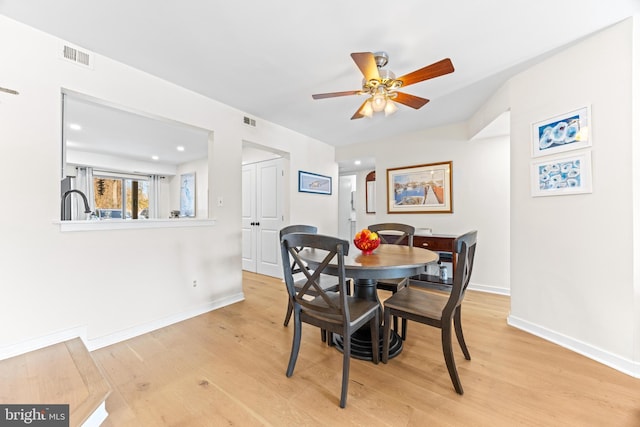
<point x="386" y="262"/>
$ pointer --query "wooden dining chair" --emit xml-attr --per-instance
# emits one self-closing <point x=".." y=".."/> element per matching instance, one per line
<point x="437" y="309"/>
<point x="401" y="232"/>
<point x="335" y="312"/>
<point x="329" y="283"/>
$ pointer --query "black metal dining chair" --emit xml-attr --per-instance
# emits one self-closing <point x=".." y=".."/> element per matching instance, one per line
<point x="401" y="232"/>
<point x="437" y="309"/>
<point x="332" y="311"/>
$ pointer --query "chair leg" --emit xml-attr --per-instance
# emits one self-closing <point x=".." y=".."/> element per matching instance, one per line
<point x="447" y="349"/>
<point x="346" y="343"/>
<point x="287" y="317"/>
<point x="323" y="335"/>
<point x="374" y="325"/>
<point x="457" y="323"/>
<point x="385" y="335"/>
<point x="395" y="323"/>
<point x="295" y="346"/>
<point x="330" y="341"/>
<point x="403" y="334"/>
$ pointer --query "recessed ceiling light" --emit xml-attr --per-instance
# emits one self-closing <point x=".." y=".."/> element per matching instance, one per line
<point x="75" y="126"/>
<point x="155" y="157"/>
<point x="357" y="162"/>
<point x="180" y="148"/>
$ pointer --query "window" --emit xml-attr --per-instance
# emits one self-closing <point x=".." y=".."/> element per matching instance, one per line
<point x="126" y="162"/>
<point x="123" y="196"/>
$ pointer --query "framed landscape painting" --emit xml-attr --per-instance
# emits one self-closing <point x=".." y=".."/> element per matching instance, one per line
<point x="313" y="183"/>
<point x="557" y="176"/>
<point x="569" y="131"/>
<point x="420" y="189"/>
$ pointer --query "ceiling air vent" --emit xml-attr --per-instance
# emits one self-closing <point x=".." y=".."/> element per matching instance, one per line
<point x="249" y="121"/>
<point x="76" y="55"/>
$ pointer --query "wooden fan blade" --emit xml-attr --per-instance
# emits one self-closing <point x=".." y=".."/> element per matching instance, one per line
<point x="367" y="64"/>
<point x="359" y="114"/>
<point x="410" y="100"/>
<point x="334" y="94"/>
<point x="430" y="71"/>
<point x="11" y="91"/>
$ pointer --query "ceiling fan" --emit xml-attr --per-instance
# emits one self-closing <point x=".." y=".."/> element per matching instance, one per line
<point x="381" y="84"/>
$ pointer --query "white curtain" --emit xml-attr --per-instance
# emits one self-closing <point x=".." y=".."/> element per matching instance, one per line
<point x="84" y="183"/>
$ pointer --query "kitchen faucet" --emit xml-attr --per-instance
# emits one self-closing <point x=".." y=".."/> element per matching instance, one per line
<point x="87" y="209"/>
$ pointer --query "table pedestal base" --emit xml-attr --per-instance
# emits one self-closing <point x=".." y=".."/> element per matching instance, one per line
<point x="361" y="344"/>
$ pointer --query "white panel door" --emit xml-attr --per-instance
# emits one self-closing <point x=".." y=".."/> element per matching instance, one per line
<point x="248" y="218"/>
<point x="262" y="217"/>
<point x="269" y="216"/>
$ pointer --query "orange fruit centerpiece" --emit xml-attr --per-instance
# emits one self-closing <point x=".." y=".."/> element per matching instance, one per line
<point x="366" y="240"/>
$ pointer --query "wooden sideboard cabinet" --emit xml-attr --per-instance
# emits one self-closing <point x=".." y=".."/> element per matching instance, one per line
<point x="445" y="245"/>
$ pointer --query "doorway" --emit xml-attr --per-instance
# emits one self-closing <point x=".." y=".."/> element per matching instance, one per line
<point x="347" y="207"/>
<point x="262" y="216"/>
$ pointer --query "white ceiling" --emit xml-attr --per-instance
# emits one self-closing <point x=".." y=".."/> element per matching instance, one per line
<point x="111" y="130"/>
<point x="267" y="58"/>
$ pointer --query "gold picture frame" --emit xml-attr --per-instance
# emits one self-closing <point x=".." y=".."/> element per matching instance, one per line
<point x="420" y="189"/>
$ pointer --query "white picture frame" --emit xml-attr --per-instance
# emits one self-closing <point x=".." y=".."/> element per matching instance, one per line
<point x="564" y="132"/>
<point x="562" y="175"/>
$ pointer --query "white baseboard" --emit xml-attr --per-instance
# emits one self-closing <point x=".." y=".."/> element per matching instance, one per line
<point x="96" y="343"/>
<point x="106" y="340"/>
<point x="618" y="363"/>
<point x="43" y="341"/>
<point x="489" y="289"/>
<point x="97" y="417"/>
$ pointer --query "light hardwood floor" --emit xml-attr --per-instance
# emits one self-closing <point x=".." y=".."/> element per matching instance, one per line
<point x="228" y="367"/>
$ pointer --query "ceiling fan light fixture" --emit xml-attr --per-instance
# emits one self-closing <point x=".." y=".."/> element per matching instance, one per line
<point x="381" y="86"/>
<point x="367" y="110"/>
<point x="379" y="101"/>
<point x="386" y="75"/>
<point x="390" y="108"/>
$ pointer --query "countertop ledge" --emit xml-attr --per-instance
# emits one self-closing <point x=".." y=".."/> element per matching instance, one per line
<point x="120" y="224"/>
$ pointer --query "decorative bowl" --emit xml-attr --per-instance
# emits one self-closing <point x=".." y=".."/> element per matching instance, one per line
<point x="366" y="241"/>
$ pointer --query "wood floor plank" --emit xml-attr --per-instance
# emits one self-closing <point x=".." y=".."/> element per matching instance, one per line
<point x="227" y="367"/>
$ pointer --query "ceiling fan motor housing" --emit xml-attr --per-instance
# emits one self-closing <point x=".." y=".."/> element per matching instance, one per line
<point x="381" y="58"/>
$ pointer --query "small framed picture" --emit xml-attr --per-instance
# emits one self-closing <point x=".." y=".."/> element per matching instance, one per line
<point x="313" y="183"/>
<point x="188" y="194"/>
<point x="569" y="131"/>
<point x="557" y="176"/>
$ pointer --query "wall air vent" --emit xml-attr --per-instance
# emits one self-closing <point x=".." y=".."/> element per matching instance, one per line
<point x="249" y="121"/>
<point x="76" y="55"/>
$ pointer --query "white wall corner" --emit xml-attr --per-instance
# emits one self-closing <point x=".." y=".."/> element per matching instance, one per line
<point x="614" y="361"/>
<point x="43" y="341"/>
<point x="635" y="173"/>
<point x="116" y="337"/>
<point x="489" y="111"/>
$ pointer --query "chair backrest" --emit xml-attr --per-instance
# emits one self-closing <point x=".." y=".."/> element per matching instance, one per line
<point x="327" y="304"/>
<point x="297" y="228"/>
<point x="465" y="254"/>
<point x="407" y="231"/>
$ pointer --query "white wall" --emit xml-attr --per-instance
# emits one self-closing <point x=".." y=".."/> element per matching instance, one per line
<point x="53" y="282"/>
<point x="480" y="191"/>
<point x="572" y="259"/>
<point x="635" y="148"/>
